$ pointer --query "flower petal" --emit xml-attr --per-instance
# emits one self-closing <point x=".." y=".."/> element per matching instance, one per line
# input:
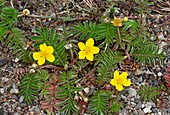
<point x="126" y="82"/>
<point x="49" y="49"/>
<point x="113" y="82"/>
<point x="43" y="47"/>
<point x="36" y="55"/>
<point x="82" y="54"/>
<point x="41" y="61"/>
<point x="116" y="74"/>
<point x="89" y="56"/>
<point x="119" y="87"/>
<point x="90" y="42"/>
<point x="94" y="50"/>
<point x="50" y="57"/>
<point x="81" y="46"/>
<point x="123" y="75"/>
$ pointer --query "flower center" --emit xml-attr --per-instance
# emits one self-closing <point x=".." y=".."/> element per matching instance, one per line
<point x="117" y="21"/>
<point x="87" y="50"/>
<point x="44" y="54"/>
<point x="119" y="81"/>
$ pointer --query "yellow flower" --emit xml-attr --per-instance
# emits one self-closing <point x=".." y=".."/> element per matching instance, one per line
<point x="87" y="50"/>
<point x="117" y="22"/>
<point x="125" y="19"/>
<point x="120" y="80"/>
<point x="45" y="53"/>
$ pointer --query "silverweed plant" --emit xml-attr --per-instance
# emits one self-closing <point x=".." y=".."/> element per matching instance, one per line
<point x="60" y="83"/>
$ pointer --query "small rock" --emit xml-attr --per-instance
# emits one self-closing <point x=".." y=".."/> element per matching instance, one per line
<point x="14" y="91"/>
<point x="147" y="72"/>
<point x="23" y="105"/>
<point x="133" y="104"/>
<point x="14" y="105"/>
<point x="132" y="92"/>
<point x="36" y="109"/>
<point x="3" y="62"/>
<point x="16" y="113"/>
<point x="139" y="105"/>
<point x="14" y="97"/>
<point x="1" y="111"/>
<point x="146" y="110"/>
<point x="152" y="38"/>
<point x="123" y="97"/>
<point x="141" y="112"/>
<point x="21" y="99"/>
<point x="86" y="90"/>
<point x="4" y="79"/>
<point x="143" y="83"/>
<point x="140" y="79"/>
<point x="138" y="72"/>
<point x="159" y="74"/>
<point x="2" y="90"/>
<point x="16" y="60"/>
<point x="161" y="37"/>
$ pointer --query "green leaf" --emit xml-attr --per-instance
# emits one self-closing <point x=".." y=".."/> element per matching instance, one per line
<point x="86" y="30"/>
<point x="107" y="61"/>
<point x="148" y="93"/>
<point x="98" y="103"/>
<point x="29" y="89"/>
<point x="66" y="91"/>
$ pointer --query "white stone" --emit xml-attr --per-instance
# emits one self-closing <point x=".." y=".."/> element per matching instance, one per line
<point x="86" y="90"/>
<point x="152" y="38"/>
<point x="16" y="60"/>
<point x="21" y="99"/>
<point x="34" y="65"/>
<point x="138" y="72"/>
<point x="159" y="74"/>
<point x="2" y="90"/>
<point x="68" y="46"/>
<point x="161" y="37"/>
<point x="132" y="92"/>
<point x="146" y="110"/>
<point x="14" y="91"/>
<point x="4" y="79"/>
<point x="32" y="71"/>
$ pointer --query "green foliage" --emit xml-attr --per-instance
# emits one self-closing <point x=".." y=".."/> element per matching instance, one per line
<point x="66" y="91"/>
<point x="99" y="32"/>
<point x="108" y="32"/>
<point x="51" y="38"/>
<point x="106" y="62"/>
<point x="98" y="103"/>
<point x="30" y="89"/>
<point x="144" y="6"/>
<point x="14" y="39"/>
<point x="43" y="78"/>
<point x="32" y="83"/>
<point x="115" y="106"/>
<point x="9" y="17"/>
<point x="150" y="92"/>
<point x="149" y="54"/>
<point x="86" y="30"/>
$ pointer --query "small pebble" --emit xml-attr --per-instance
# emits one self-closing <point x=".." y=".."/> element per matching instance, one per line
<point x="16" y="60"/>
<point x="140" y="79"/>
<point x="132" y="92"/>
<point x="14" y="91"/>
<point x="21" y="99"/>
<point x="2" y="90"/>
<point x="159" y="74"/>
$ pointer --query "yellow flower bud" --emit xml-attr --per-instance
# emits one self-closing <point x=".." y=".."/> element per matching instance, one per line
<point x="125" y="19"/>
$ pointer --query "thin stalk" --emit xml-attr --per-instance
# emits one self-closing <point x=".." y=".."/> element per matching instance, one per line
<point x="118" y="31"/>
